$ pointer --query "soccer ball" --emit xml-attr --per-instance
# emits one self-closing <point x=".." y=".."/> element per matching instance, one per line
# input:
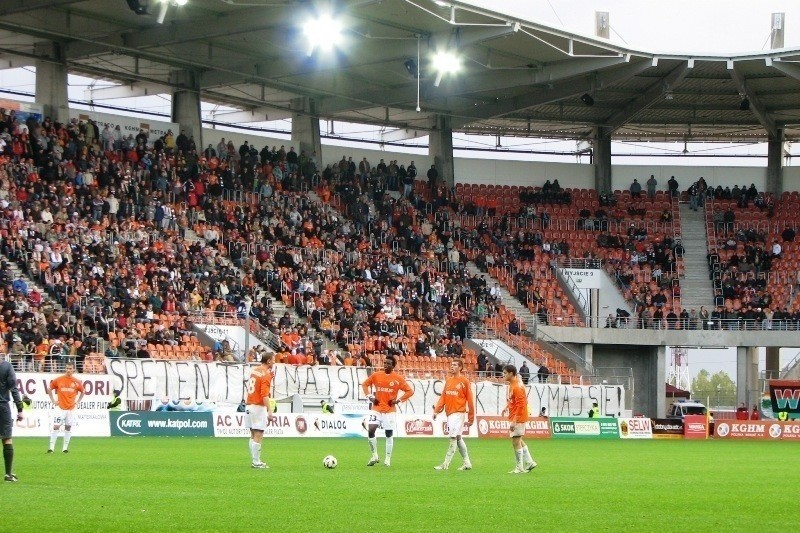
<point x="329" y="461"/>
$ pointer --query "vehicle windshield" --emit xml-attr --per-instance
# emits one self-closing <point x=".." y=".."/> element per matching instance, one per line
<point x="694" y="410"/>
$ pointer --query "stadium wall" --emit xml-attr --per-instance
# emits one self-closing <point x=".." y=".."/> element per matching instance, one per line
<point x="534" y="173"/>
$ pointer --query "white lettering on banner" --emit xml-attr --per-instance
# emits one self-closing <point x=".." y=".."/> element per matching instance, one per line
<point x="88" y="423"/>
<point x="584" y="278"/>
<point x="143" y="379"/>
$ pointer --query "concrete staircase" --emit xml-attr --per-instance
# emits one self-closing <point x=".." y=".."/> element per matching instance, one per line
<point x="17" y="272"/>
<point x="696" y="287"/>
<point x="520" y="311"/>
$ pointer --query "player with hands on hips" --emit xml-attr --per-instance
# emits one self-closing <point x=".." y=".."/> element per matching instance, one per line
<point x="381" y="389"/>
<point x="458" y="404"/>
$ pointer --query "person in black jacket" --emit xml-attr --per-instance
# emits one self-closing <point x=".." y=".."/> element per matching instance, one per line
<point x="8" y="391"/>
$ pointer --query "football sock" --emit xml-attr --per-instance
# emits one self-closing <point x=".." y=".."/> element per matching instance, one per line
<point x="462" y="449"/>
<point x="67" y="436"/>
<point x="53" y="437"/>
<point x="518" y="453"/>
<point x="389" y="446"/>
<point x="253" y="451"/>
<point x="451" y="451"/>
<point x="526" y="454"/>
<point x="8" y="457"/>
<point x="373" y="445"/>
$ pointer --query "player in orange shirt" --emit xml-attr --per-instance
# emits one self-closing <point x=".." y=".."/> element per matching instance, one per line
<point x="68" y="394"/>
<point x="258" y="406"/>
<point x="517" y="411"/>
<point x="386" y="385"/>
<point x="457" y="402"/>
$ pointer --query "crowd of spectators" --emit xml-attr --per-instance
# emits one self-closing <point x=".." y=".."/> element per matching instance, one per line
<point x="101" y="223"/>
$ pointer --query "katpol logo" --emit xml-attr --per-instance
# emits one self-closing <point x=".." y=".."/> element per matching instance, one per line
<point x="129" y="424"/>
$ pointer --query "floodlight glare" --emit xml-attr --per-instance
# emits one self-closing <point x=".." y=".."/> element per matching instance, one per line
<point x="324" y="32"/>
<point x="445" y="63"/>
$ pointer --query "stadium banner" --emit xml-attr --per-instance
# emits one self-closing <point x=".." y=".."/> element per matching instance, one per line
<point x="497" y="427"/>
<point x="228" y="422"/>
<point x="695" y="427"/>
<point x="785" y="395"/>
<point x="161" y="424"/>
<point x="755" y="429"/>
<point x="635" y="428"/>
<point x="97" y="389"/>
<point x="38" y="422"/>
<point x="147" y="379"/>
<point x="129" y="125"/>
<point x="667" y="428"/>
<point x="584" y="428"/>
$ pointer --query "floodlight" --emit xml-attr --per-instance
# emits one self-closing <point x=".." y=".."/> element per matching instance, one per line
<point x="323" y="32"/>
<point x="445" y="62"/>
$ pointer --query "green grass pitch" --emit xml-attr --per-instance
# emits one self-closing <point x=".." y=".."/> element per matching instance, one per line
<point x="206" y="484"/>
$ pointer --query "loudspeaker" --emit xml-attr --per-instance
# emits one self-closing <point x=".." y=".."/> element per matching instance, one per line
<point x="138" y="6"/>
<point x="412" y="67"/>
<point x="587" y="99"/>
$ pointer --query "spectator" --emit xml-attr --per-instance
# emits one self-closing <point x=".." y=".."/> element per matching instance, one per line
<point x="524" y="373"/>
<point x="636" y="189"/>
<point x="651" y="187"/>
<point x="543" y="373"/>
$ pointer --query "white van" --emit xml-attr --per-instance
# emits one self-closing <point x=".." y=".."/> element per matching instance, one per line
<point x="686" y="407"/>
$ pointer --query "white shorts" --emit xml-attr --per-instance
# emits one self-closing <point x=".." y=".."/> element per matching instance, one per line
<point x="455" y="424"/>
<point x="63" y="417"/>
<point x="257" y="417"/>
<point x="516" y="430"/>
<point x="386" y="421"/>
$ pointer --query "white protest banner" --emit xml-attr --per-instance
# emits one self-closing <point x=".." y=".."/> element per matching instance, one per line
<point x="146" y="379"/>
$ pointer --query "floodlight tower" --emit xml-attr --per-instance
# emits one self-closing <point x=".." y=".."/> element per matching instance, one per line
<point x="679" y="368"/>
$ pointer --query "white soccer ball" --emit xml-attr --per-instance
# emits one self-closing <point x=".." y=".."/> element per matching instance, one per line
<point x="329" y="461"/>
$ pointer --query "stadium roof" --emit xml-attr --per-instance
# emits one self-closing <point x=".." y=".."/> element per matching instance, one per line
<point x="518" y="77"/>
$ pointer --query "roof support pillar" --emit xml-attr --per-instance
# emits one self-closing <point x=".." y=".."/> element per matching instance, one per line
<point x="51" y="82"/>
<point x="775" y="164"/>
<point x="305" y="128"/>
<point x="186" y="105"/>
<point x="602" y="159"/>
<point x="747" y="390"/>
<point x="440" y="147"/>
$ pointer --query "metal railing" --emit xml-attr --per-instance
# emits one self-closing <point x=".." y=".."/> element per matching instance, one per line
<point x="725" y="324"/>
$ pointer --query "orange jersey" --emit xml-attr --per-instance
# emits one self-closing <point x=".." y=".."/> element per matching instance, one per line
<point x="456" y="397"/>
<point x="258" y="386"/>
<point x="387" y="386"/>
<point x="517" y="403"/>
<point x="67" y="389"/>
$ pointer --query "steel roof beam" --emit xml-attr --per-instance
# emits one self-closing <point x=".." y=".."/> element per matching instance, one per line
<point x="648" y="98"/>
